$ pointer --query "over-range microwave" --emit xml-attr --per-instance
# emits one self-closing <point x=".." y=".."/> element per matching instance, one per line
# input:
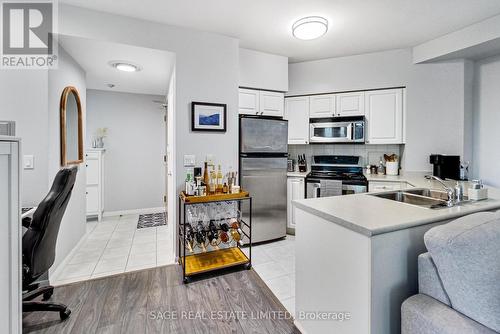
<point x="337" y="130"/>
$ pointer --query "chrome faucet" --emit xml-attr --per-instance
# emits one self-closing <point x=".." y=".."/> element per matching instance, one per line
<point x="452" y="198"/>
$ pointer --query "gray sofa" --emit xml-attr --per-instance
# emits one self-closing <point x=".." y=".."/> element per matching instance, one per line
<point x="459" y="279"/>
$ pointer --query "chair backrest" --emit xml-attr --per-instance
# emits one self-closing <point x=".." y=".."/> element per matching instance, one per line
<point x="39" y="241"/>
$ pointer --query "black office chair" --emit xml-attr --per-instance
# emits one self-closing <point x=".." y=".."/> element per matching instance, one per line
<point x="39" y="243"/>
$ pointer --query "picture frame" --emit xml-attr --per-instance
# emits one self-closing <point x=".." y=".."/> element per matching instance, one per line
<point x="209" y="117"/>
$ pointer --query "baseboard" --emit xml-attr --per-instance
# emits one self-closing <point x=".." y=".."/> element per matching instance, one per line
<point x="133" y="212"/>
<point x="57" y="271"/>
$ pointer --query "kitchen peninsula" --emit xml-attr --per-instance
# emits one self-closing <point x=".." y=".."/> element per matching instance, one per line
<point x="357" y="254"/>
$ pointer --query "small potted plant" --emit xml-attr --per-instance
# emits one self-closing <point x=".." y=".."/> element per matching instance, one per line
<point x="99" y="135"/>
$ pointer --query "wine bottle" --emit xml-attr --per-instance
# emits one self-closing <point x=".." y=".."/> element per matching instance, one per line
<point x="219" y="180"/>
<point x="236" y="236"/>
<point x="224" y="237"/>
<point x="189" y="237"/>
<point x="200" y="235"/>
<point x="235" y="225"/>
<point x="224" y="226"/>
<point x="206" y="178"/>
<point x="213" y="235"/>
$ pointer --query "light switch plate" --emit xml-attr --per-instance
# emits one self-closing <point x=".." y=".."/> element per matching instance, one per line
<point x="28" y="162"/>
<point x="189" y="160"/>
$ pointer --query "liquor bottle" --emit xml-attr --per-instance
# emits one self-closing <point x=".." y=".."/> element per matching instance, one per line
<point x="213" y="235"/>
<point x="189" y="237"/>
<point x="219" y="180"/>
<point x="213" y="180"/>
<point x="206" y="178"/>
<point x="225" y="188"/>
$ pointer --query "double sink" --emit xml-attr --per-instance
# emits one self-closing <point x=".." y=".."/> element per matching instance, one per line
<point x="426" y="198"/>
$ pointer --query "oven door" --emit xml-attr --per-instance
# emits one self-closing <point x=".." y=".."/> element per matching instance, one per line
<point x="349" y="189"/>
<point x="335" y="132"/>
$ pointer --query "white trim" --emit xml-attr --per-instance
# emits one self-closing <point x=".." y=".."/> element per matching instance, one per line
<point x="54" y="274"/>
<point x="133" y="212"/>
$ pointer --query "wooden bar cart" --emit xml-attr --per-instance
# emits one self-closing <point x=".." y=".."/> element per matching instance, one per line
<point x="206" y="257"/>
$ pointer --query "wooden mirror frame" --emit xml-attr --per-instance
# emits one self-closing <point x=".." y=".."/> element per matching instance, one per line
<point x="62" y="107"/>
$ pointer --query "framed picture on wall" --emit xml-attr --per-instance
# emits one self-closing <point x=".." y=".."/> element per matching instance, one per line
<point x="208" y="116"/>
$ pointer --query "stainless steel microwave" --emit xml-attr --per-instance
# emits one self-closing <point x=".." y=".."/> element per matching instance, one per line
<point x="337" y="131"/>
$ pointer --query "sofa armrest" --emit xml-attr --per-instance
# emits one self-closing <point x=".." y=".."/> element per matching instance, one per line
<point x="429" y="282"/>
<point x="421" y="314"/>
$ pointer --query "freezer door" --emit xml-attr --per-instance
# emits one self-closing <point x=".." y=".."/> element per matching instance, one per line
<point x="265" y="179"/>
<point x="261" y="135"/>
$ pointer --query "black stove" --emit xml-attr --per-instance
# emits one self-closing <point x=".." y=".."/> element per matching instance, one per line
<point x="345" y="168"/>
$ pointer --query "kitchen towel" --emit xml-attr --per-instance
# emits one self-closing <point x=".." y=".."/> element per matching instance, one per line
<point x="331" y="188"/>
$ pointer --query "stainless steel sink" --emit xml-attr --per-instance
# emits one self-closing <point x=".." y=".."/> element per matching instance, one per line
<point x="442" y="195"/>
<point x="415" y="198"/>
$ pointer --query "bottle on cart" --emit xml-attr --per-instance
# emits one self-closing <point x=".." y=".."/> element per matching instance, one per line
<point x="189" y="237"/>
<point x="213" y="235"/>
<point x="213" y="182"/>
<point x="224" y="226"/>
<point x="219" y="180"/>
<point x="200" y="235"/>
<point x="236" y="236"/>
<point x="206" y="178"/>
<point x="235" y="225"/>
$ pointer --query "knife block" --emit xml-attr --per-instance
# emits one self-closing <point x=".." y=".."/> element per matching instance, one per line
<point x="302" y="168"/>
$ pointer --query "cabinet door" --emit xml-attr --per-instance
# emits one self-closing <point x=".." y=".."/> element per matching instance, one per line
<point x="92" y="171"/>
<point x="92" y="200"/>
<point x="271" y="103"/>
<point x="295" y="191"/>
<point x="322" y="106"/>
<point x="248" y="102"/>
<point x="350" y="104"/>
<point x="384" y="116"/>
<point x="297" y="114"/>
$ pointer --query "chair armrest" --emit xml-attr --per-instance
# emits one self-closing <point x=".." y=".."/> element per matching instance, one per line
<point x="26" y="222"/>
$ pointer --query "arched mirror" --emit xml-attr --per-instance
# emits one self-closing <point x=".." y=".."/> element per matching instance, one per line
<point x="71" y="127"/>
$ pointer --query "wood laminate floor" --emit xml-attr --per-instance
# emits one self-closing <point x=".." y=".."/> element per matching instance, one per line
<point x="139" y="302"/>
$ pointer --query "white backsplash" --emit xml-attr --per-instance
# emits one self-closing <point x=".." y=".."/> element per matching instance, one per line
<point x="370" y="154"/>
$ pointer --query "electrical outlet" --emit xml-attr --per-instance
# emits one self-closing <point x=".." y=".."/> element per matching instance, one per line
<point x="28" y="162"/>
<point x="189" y="160"/>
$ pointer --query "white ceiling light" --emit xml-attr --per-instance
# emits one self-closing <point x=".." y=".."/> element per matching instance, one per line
<point x="310" y="27"/>
<point x="125" y="66"/>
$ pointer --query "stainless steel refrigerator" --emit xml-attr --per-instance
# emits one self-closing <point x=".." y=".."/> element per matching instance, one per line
<point x="263" y="169"/>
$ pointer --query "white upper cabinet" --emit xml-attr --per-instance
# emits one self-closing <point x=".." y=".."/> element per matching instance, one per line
<point x="297" y="114"/>
<point x="271" y="103"/>
<point x="249" y="101"/>
<point x="350" y="104"/>
<point x="322" y="106"/>
<point x="384" y="116"/>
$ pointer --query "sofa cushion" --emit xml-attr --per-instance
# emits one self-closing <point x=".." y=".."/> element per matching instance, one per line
<point x="429" y="282"/>
<point x="421" y="314"/>
<point x="466" y="253"/>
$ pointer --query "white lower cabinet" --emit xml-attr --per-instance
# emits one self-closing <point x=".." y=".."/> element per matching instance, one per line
<point x="378" y="186"/>
<point x="297" y="114"/>
<point x="295" y="190"/>
<point x="95" y="182"/>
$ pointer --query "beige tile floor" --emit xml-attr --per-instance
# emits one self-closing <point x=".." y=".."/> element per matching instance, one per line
<point x="114" y="246"/>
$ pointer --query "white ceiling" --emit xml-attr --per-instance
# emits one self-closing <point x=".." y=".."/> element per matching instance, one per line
<point x="94" y="57"/>
<point x="356" y="26"/>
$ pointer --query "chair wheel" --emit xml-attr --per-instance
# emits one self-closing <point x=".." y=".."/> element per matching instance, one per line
<point x="47" y="295"/>
<point x="248" y="266"/>
<point x="186" y="280"/>
<point x="65" y="314"/>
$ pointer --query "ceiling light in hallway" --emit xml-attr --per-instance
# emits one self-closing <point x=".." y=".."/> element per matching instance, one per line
<point x="310" y="27"/>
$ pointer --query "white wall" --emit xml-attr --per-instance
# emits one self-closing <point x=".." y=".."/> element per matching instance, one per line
<point x="72" y="229"/>
<point x="206" y="70"/>
<point x="134" y="146"/>
<point x="263" y="70"/>
<point x="486" y="156"/>
<point x="23" y="99"/>
<point x="435" y="96"/>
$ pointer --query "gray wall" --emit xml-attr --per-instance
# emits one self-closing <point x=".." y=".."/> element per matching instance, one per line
<point x="23" y="99"/>
<point x="486" y="157"/>
<point x="134" y="170"/>
<point x="72" y="229"/>
<point x="436" y="108"/>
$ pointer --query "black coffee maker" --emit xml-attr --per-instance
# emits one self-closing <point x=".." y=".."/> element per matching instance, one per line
<point x="446" y="166"/>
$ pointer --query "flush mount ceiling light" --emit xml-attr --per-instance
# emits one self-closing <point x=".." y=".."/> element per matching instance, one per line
<point x="310" y="27"/>
<point x="125" y="66"/>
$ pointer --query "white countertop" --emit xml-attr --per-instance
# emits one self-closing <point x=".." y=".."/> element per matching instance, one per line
<point x="370" y="215"/>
